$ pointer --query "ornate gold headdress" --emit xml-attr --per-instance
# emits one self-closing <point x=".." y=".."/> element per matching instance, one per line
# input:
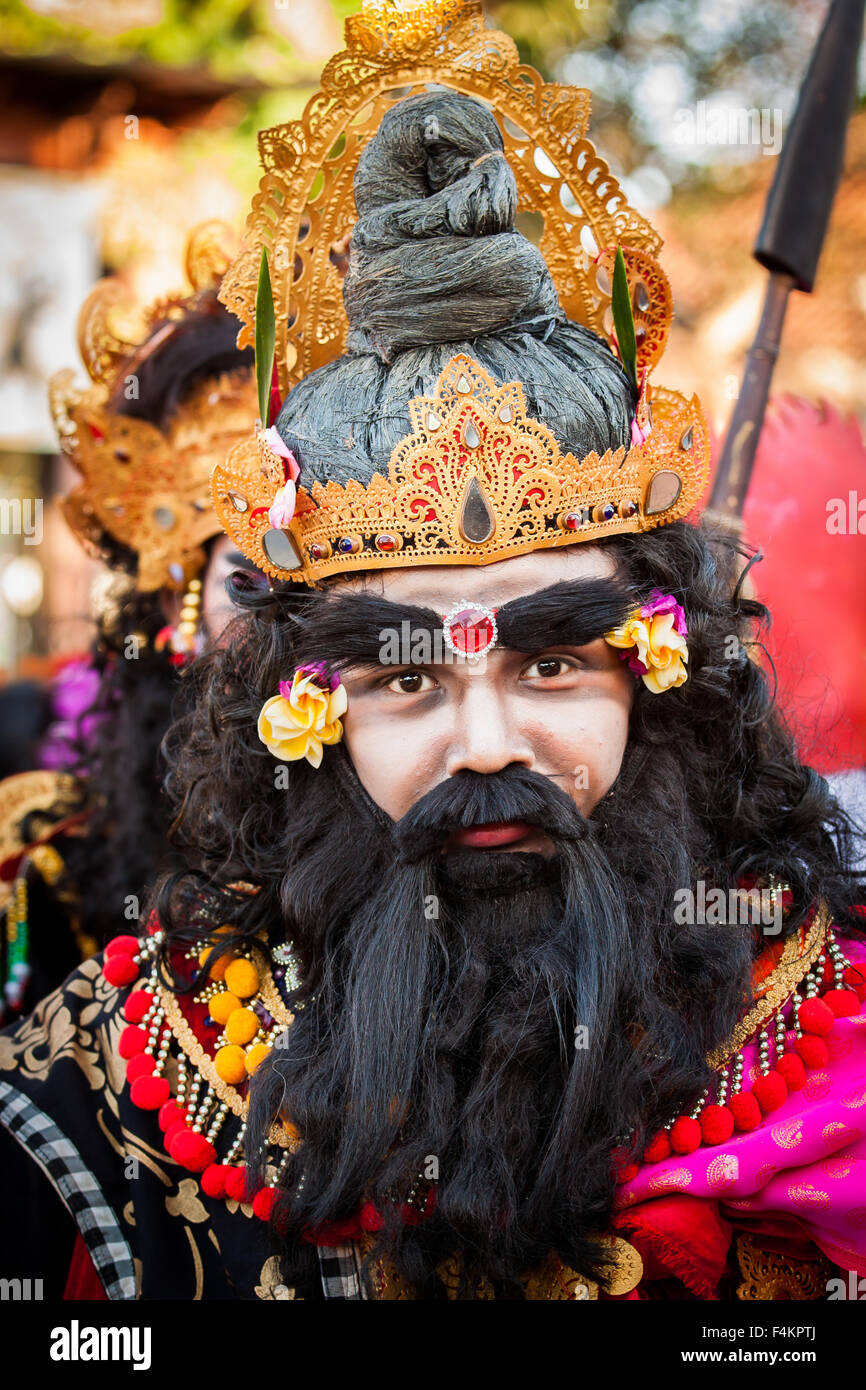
<point x="477" y="479"/>
<point x="149" y="489"/>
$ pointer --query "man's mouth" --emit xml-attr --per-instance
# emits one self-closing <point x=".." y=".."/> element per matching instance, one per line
<point x="492" y="834"/>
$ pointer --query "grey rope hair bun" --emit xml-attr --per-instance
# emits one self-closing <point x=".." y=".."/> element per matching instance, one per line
<point x="437" y="268"/>
<point x="435" y="256"/>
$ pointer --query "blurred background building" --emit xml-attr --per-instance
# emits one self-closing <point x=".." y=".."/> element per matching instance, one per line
<point x="125" y="122"/>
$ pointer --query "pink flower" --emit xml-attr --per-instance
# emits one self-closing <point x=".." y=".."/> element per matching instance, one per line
<point x="638" y="436"/>
<point x="282" y="509"/>
<point x="278" y="446"/>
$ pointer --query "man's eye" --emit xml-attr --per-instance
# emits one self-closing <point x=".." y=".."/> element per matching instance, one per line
<point x="545" y="668"/>
<point x="411" y="682"/>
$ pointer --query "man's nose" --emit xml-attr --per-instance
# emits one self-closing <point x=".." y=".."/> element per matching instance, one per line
<point x="486" y="737"/>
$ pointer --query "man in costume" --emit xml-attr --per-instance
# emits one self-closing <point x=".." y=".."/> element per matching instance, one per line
<point x="514" y="955"/>
<point x="170" y="393"/>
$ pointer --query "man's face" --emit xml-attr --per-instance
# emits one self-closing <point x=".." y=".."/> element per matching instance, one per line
<point x="217" y="608"/>
<point x="561" y="711"/>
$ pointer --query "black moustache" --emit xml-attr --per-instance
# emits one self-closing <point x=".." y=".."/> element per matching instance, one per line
<point x="477" y="798"/>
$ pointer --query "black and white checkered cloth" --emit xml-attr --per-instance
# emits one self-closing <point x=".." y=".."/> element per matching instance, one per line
<point x="340" y="1267"/>
<point x="77" y="1188"/>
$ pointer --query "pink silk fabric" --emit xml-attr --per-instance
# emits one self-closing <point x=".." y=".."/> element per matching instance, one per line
<point x="802" y="1172"/>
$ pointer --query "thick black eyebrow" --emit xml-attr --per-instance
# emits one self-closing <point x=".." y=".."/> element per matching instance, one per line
<point x="574" y="612"/>
<point x="351" y="629"/>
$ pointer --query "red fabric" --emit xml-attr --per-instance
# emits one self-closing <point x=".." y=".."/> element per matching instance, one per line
<point x="82" y="1282"/>
<point x="811" y="578"/>
<point x="681" y="1237"/>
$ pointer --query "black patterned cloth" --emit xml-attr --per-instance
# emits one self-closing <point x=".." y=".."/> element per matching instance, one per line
<point x="149" y="1229"/>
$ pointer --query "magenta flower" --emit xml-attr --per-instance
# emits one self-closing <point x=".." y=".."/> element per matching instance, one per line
<point x="666" y="603"/>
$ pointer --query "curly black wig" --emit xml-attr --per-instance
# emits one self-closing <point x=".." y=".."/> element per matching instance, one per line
<point x="452" y="1039"/>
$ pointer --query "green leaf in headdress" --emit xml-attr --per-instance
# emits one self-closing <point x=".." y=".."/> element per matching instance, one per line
<point x="623" y="319"/>
<point x="265" y="339"/>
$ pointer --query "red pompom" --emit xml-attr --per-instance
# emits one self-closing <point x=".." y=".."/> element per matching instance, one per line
<point x="370" y="1218"/>
<point x="816" y="1017"/>
<point x="717" y="1124"/>
<point x="192" y="1151"/>
<point x="263" y="1203"/>
<point x="137" y="1005"/>
<point x="842" y="1002"/>
<point x="685" y="1135"/>
<point x="624" y="1166"/>
<point x="169" y="1115"/>
<point x="142" y="1064"/>
<point x="175" y="1128"/>
<point x="770" y="1091"/>
<point x="791" y="1069"/>
<point x="658" y="1148"/>
<point x="149" y="1092"/>
<point x="120" y="970"/>
<point x="625" y="1172"/>
<point x="236" y="1184"/>
<point x="813" y="1051"/>
<point x="745" y="1110"/>
<point x="123" y="945"/>
<point x="855" y="979"/>
<point x="213" y="1180"/>
<point x="132" y="1041"/>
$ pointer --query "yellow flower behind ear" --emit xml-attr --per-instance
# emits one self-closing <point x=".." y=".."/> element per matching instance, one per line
<point x="305" y="715"/>
<point x="657" y="632"/>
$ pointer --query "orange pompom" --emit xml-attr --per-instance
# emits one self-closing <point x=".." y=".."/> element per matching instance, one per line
<point x="242" y="1026"/>
<point x="218" y="969"/>
<point x="222" y="1005"/>
<point x="242" y="978"/>
<point x="256" y="1056"/>
<point x="230" y="1064"/>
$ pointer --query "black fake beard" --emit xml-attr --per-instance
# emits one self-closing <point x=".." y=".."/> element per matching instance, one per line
<point x="507" y="1019"/>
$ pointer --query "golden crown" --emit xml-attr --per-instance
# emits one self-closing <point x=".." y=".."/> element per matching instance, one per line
<point x="303" y="215"/>
<point x="148" y="489"/>
<point x="477" y="480"/>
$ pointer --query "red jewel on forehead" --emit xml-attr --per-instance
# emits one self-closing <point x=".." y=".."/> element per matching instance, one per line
<point x="470" y="629"/>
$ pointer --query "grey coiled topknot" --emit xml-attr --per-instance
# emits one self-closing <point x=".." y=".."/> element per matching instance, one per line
<point x="437" y="268"/>
<point x="435" y="256"/>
